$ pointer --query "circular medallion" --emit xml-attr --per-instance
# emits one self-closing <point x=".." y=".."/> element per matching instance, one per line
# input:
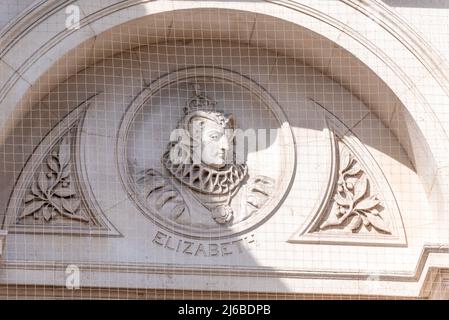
<point x="206" y="153"/>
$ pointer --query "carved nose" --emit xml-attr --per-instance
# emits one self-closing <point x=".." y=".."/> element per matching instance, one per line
<point x="224" y="144"/>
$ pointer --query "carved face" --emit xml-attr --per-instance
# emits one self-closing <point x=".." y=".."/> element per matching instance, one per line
<point x="215" y="144"/>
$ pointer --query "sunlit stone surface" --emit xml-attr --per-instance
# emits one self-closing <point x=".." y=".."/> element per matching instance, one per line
<point x="224" y="147"/>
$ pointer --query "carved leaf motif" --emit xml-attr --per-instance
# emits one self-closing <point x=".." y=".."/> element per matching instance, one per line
<point x="360" y="188"/>
<point x="340" y="200"/>
<point x="350" y="197"/>
<point x="35" y="190"/>
<point x="355" y="223"/>
<point x="375" y="211"/>
<point x="65" y="172"/>
<point x="42" y="182"/>
<point x="356" y="168"/>
<point x="331" y="221"/>
<point x="366" y="222"/>
<point x="47" y="213"/>
<point x="71" y="205"/>
<point x="64" y="192"/>
<point x="53" y="187"/>
<point x="53" y="164"/>
<point x="345" y="159"/>
<point x="64" y="152"/>
<point x="353" y="205"/>
<point x="32" y="207"/>
<point x="378" y="223"/>
<point x="368" y="203"/>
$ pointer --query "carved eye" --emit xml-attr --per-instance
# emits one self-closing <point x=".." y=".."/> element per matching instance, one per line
<point x="214" y="136"/>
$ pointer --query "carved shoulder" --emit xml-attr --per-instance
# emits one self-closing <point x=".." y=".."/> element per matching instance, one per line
<point x="259" y="189"/>
<point x="161" y="195"/>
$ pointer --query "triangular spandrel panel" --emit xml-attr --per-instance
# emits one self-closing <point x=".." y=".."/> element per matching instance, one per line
<point x="358" y="206"/>
<point x="50" y="195"/>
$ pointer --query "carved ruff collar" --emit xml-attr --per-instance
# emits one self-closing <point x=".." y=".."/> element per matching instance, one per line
<point x="207" y="180"/>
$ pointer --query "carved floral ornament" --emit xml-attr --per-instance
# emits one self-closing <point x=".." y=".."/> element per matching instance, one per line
<point x="354" y="206"/>
<point x="52" y="193"/>
<point x="357" y="207"/>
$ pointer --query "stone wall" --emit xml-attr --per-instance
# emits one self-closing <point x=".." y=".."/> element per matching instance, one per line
<point x="339" y="189"/>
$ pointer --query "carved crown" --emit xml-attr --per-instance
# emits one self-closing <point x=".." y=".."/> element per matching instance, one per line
<point x="199" y="102"/>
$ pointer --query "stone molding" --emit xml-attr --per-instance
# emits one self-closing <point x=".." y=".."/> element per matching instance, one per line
<point x="399" y="284"/>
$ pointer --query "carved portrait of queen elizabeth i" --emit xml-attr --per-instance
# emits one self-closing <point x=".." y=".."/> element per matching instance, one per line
<point x="204" y="184"/>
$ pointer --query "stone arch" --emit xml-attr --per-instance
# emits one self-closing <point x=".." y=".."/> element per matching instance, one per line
<point x="394" y="66"/>
<point x="37" y="56"/>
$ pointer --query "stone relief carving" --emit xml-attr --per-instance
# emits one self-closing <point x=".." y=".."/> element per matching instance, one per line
<point x="358" y="206"/>
<point x="185" y="159"/>
<point x="199" y="193"/>
<point x="52" y="193"/>
<point x="355" y="205"/>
